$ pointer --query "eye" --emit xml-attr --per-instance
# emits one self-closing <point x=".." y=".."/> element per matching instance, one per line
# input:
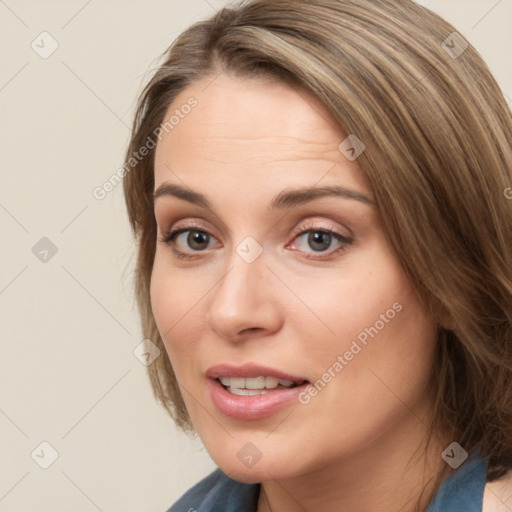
<point x="196" y="239"/>
<point x="320" y="240"/>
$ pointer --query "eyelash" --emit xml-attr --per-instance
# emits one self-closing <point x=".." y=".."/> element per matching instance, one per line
<point x="169" y="238"/>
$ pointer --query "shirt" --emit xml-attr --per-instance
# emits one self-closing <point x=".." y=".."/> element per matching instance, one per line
<point x="462" y="491"/>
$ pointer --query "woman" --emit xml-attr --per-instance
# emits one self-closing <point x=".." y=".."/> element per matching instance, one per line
<point x="320" y="203"/>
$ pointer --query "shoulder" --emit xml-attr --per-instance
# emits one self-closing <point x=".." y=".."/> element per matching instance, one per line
<point x="218" y="493"/>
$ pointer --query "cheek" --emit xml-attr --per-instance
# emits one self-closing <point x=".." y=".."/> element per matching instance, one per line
<point x="163" y="298"/>
<point x="175" y="309"/>
<point x="371" y="317"/>
<point x="386" y="342"/>
<point x="366" y="291"/>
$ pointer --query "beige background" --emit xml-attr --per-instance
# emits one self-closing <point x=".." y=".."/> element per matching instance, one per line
<point x="68" y="374"/>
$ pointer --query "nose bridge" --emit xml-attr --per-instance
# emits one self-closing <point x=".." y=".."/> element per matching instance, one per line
<point x="242" y="299"/>
<point x="246" y="267"/>
<point x="239" y="285"/>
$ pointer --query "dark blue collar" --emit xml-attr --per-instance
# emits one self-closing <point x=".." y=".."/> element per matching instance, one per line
<point x="464" y="489"/>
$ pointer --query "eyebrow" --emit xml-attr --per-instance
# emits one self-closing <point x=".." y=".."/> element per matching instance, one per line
<point x="285" y="199"/>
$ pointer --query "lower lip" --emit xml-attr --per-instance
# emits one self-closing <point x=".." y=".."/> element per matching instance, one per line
<point x="252" y="407"/>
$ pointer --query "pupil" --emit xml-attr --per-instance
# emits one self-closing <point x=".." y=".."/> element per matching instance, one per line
<point x="318" y="237"/>
<point x="197" y="237"/>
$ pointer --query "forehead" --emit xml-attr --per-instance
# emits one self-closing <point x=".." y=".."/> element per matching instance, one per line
<point x="222" y="97"/>
<point x="249" y="126"/>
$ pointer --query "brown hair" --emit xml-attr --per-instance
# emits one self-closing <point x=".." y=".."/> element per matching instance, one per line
<point x="438" y="155"/>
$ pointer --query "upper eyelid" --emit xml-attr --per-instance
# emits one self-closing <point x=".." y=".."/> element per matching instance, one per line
<point x="304" y="226"/>
<point x="210" y="217"/>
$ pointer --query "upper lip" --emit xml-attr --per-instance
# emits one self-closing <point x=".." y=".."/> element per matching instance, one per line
<point x="249" y="370"/>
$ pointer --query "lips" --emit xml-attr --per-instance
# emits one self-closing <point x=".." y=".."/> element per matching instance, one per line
<point x="250" y="391"/>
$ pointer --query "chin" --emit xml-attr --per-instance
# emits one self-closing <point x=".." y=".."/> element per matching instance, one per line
<point x="265" y="469"/>
<point x="246" y="477"/>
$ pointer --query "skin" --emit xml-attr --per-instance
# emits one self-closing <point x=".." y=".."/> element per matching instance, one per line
<point x="352" y="446"/>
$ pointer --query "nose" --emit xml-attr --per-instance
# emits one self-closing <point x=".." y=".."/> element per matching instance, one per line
<point x="244" y="302"/>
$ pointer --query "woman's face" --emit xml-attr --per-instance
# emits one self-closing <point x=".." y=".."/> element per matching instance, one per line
<point x="286" y="274"/>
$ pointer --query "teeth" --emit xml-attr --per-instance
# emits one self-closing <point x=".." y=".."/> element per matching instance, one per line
<point x="253" y="385"/>
<point x="237" y="383"/>
<point x="248" y="392"/>
<point x="270" y="382"/>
